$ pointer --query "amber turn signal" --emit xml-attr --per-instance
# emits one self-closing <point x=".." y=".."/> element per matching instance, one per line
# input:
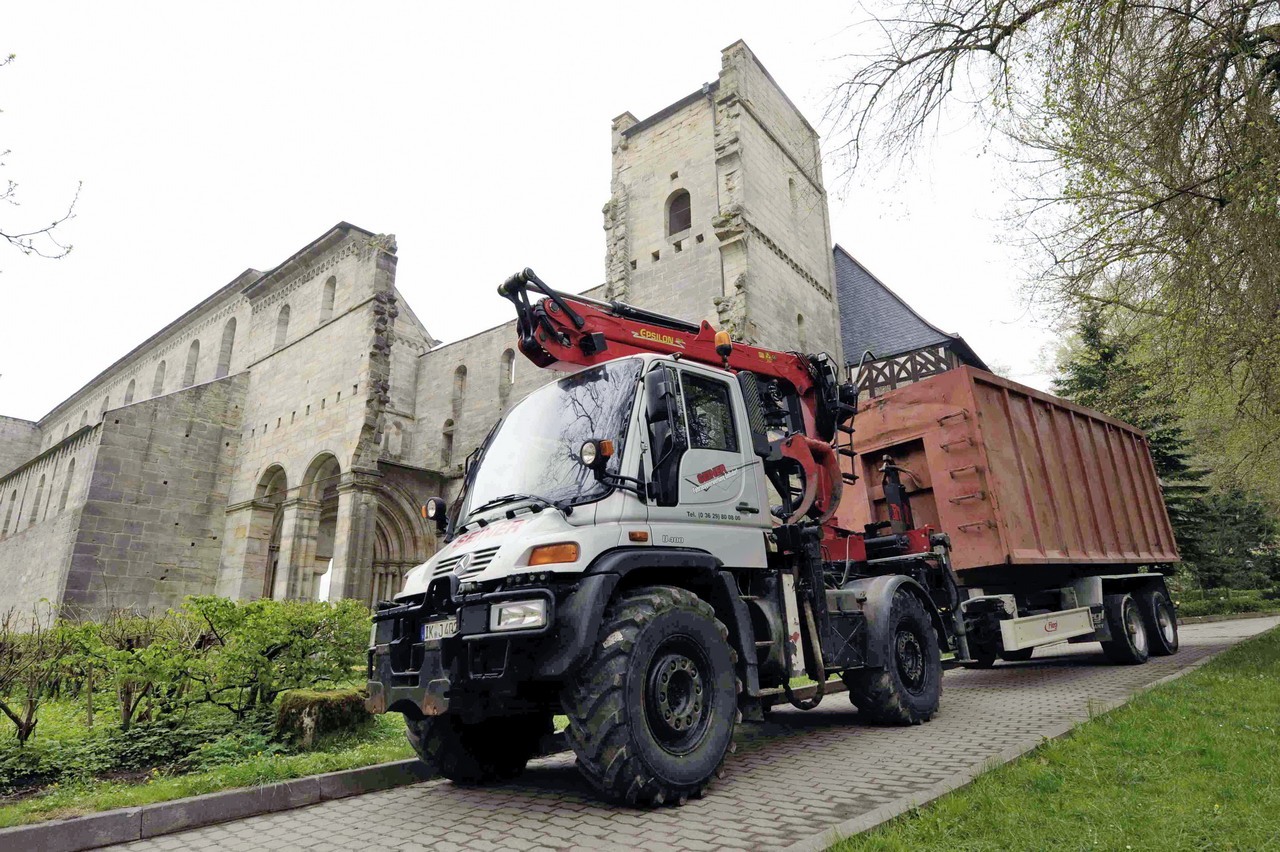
<point x="565" y="551"/>
<point x="638" y="535"/>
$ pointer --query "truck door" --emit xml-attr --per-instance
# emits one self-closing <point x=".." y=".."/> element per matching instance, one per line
<point x="721" y="504"/>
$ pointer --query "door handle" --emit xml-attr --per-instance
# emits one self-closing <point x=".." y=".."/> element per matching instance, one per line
<point x="743" y="507"/>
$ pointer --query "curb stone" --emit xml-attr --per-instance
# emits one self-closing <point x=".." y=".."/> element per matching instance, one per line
<point x="833" y="834"/>
<point x="1231" y="616"/>
<point x="145" y="821"/>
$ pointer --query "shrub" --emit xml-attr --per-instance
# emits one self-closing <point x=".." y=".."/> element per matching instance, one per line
<point x="258" y="649"/>
<point x="305" y="715"/>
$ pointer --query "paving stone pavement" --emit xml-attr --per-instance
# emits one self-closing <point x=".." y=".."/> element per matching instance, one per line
<point x="792" y="777"/>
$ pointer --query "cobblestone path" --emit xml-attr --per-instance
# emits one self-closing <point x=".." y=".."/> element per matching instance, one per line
<point x="792" y="777"/>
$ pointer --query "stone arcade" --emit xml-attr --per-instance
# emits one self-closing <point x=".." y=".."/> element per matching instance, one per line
<point x="280" y="437"/>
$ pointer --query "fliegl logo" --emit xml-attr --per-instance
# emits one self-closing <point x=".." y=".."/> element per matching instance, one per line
<point x="658" y="337"/>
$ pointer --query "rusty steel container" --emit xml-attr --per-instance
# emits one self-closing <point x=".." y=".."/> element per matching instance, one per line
<point x="1016" y="476"/>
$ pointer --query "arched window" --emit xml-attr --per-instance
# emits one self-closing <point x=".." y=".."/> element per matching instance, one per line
<point x="8" y="513"/>
<point x="446" y="445"/>
<point x="84" y="417"/>
<point x="129" y="391"/>
<point x="791" y="193"/>
<point x="157" y="386"/>
<point x="804" y="345"/>
<point x="507" y="376"/>
<point x="282" y="326"/>
<point x="66" y="484"/>
<point x="459" y="388"/>
<point x="193" y="358"/>
<point x="326" y="299"/>
<point x="66" y="427"/>
<point x="679" y="212"/>
<point x="224" y="351"/>
<point x="35" y="504"/>
<point x="106" y="404"/>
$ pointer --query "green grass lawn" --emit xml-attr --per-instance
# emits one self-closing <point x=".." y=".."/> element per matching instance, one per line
<point x="380" y="741"/>
<point x="1193" y="764"/>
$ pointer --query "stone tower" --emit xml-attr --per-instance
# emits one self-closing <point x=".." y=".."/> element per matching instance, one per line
<point x="718" y="212"/>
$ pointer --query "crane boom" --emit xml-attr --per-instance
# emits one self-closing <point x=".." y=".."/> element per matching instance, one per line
<point x="562" y="331"/>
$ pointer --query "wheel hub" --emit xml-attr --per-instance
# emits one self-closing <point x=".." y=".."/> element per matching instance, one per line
<point x="676" y="705"/>
<point x="909" y="657"/>
<point x="1166" y="623"/>
<point x="1133" y="625"/>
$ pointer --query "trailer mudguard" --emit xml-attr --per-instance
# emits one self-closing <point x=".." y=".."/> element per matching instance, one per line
<point x="879" y="593"/>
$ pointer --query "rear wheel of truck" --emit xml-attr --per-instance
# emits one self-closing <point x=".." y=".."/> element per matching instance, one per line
<point x="652" y="712"/>
<point x="908" y="689"/>
<point x="1128" y="644"/>
<point x="494" y="749"/>
<point x="1161" y="621"/>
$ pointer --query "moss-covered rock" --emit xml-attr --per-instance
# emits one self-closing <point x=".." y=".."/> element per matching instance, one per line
<point x="306" y="714"/>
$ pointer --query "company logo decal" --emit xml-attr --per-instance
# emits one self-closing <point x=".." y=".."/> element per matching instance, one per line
<point x="711" y="476"/>
<point x="1050" y="626"/>
<point x="658" y="337"/>
<point x="494" y="529"/>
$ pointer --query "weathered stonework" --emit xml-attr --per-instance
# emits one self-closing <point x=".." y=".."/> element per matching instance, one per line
<point x="281" y="437"/>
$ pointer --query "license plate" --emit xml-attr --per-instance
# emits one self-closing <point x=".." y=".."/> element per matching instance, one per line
<point x="439" y="629"/>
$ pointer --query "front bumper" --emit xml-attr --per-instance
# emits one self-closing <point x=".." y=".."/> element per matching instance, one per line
<point x="477" y="670"/>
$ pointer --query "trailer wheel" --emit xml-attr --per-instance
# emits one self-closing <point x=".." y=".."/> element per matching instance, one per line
<point x="1019" y="656"/>
<point x="652" y="712"/>
<point x="1160" y="620"/>
<point x="494" y="749"/>
<point x="907" y="690"/>
<point x="1128" y="645"/>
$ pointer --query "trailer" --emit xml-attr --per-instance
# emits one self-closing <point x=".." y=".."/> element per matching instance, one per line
<point x="1050" y="508"/>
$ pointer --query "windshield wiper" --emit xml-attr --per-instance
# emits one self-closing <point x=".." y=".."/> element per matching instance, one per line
<point x="511" y="498"/>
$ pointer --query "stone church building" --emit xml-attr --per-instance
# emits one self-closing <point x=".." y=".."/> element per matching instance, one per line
<point x="280" y="438"/>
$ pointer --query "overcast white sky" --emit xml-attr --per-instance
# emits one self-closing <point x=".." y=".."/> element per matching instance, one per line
<point x="223" y="136"/>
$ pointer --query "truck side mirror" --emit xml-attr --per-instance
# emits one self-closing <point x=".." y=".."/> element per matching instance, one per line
<point x="666" y="439"/>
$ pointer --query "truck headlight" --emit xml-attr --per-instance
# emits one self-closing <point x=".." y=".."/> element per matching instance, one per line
<point x="518" y="615"/>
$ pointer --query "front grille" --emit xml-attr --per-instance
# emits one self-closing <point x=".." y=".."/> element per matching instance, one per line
<point x="479" y="559"/>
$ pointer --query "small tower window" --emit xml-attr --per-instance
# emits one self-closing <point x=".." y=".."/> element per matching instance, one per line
<point x="157" y="386"/>
<point x="282" y="327"/>
<point x="224" y="350"/>
<point x="446" y="444"/>
<point x="679" y="212"/>
<point x="326" y="299"/>
<point x="193" y="359"/>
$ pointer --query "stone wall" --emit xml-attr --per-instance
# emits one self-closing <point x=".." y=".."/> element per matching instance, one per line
<point x="151" y="525"/>
<point x="39" y="514"/>
<point x="19" y="441"/>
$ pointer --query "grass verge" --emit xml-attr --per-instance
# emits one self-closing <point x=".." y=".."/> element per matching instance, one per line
<point x="1193" y="764"/>
<point x="383" y="740"/>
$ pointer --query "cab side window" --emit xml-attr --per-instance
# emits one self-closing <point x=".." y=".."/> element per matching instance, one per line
<point x="710" y="414"/>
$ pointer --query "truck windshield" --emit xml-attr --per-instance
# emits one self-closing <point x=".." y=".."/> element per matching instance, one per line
<point x="534" y="450"/>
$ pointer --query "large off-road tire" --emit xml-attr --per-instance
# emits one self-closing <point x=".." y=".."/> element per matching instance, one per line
<point x="1161" y="621"/>
<point x="908" y="689"/>
<point x="652" y="712"/>
<point x="494" y="749"/>
<point x="1019" y="656"/>
<point x="1128" y="645"/>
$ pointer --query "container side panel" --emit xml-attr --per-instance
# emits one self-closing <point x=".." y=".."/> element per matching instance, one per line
<point x="1126" y="522"/>
<point x="1057" y="439"/>
<point x="1054" y="503"/>
<point x="1075" y="429"/>
<point x="1031" y="549"/>
<point x="1100" y="490"/>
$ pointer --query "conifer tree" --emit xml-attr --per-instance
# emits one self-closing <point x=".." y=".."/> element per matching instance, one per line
<point x="1100" y="373"/>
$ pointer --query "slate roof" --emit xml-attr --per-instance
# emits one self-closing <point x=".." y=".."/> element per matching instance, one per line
<point x="874" y="317"/>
